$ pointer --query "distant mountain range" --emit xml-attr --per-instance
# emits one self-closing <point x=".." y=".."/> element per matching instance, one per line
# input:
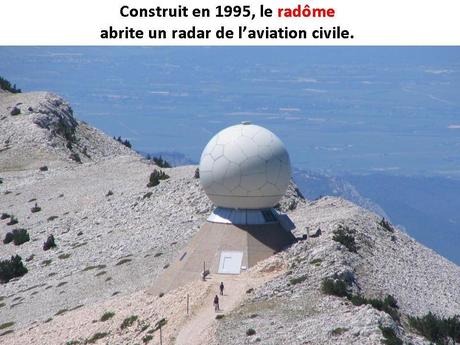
<point x="426" y="207"/>
<point x="172" y="157"/>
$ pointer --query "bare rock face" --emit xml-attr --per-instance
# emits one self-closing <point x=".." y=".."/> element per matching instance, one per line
<point x="291" y="199"/>
<point x="40" y="126"/>
<point x="56" y="116"/>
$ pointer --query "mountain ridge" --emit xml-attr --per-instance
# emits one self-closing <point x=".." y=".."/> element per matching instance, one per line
<point x="115" y="236"/>
<point x="40" y="126"/>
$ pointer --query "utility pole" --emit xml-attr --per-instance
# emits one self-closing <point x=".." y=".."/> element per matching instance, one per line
<point x="204" y="271"/>
<point x="188" y="298"/>
<point x="161" y="336"/>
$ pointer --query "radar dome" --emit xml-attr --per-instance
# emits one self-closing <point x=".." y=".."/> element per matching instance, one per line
<point x="245" y="167"/>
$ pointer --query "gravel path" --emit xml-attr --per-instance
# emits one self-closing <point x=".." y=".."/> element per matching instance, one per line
<point x="198" y="330"/>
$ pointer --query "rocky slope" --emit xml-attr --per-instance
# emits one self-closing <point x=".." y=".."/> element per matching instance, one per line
<point x="292" y="309"/>
<point x="39" y="127"/>
<point x="115" y="236"/>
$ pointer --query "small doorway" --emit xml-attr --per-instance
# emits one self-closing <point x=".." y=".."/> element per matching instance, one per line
<point x="230" y="262"/>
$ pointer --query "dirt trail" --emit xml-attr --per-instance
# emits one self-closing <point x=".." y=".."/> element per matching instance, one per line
<point x="198" y="329"/>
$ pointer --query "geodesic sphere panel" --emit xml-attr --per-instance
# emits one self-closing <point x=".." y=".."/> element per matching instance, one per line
<point x="245" y="166"/>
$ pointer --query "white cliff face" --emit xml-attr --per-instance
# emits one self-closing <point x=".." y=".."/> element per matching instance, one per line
<point x="115" y="235"/>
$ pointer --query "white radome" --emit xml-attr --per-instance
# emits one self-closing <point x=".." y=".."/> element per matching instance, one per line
<point x="245" y="167"/>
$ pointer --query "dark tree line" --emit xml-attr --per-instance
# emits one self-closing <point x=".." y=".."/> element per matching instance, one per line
<point x="6" y="85"/>
<point x="162" y="163"/>
<point x="124" y="142"/>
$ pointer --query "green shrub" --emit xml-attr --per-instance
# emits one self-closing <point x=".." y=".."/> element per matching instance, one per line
<point x="386" y="225"/>
<point x="219" y="316"/>
<point x="49" y="243"/>
<point x="13" y="220"/>
<point x="436" y="329"/>
<point x="144" y="325"/>
<point x="4" y="216"/>
<point x="75" y="157"/>
<point x="147" y="195"/>
<point x="8" y="238"/>
<point x="123" y="261"/>
<point x="128" y="322"/>
<point x="6" y="85"/>
<point x="391" y="301"/>
<point x="15" y="111"/>
<point x="159" y="324"/>
<point x="18" y="236"/>
<point x="339" y="288"/>
<point x="47" y="262"/>
<point x="250" y="331"/>
<point x="96" y="337"/>
<point x="6" y="325"/>
<point x="35" y="209"/>
<point x="155" y="178"/>
<point x="147" y="338"/>
<point x="162" y="163"/>
<point x="123" y="142"/>
<point x="12" y="268"/>
<point x="388" y="305"/>
<point x="107" y="315"/>
<point x="89" y="268"/>
<point x="374" y="302"/>
<point x="334" y="287"/>
<point x="390" y="336"/>
<point x="339" y="331"/>
<point x="343" y="236"/>
<point x="357" y="300"/>
<point x="294" y="281"/>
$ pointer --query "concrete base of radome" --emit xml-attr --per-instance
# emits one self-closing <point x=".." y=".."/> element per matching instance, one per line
<point x="256" y="242"/>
